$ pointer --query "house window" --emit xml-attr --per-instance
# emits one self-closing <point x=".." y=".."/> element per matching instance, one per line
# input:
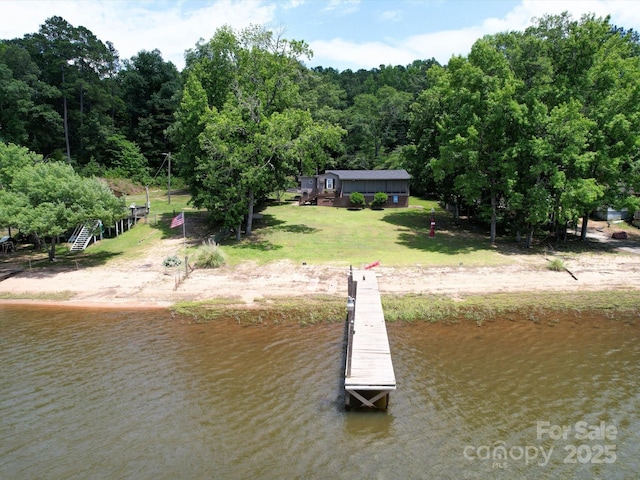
<point x="328" y="183"/>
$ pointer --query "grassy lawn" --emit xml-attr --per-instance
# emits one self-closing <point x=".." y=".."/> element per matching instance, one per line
<point x="307" y="234"/>
<point x="395" y="237"/>
<point x="311" y="234"/>
<point x="137" y="241"/>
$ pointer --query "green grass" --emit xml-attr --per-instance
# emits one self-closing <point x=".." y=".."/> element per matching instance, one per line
<point x="271" y="311"/>
<point x="395" y="237"/>
<point x="137" y="241"/>
<point x="539" y="307"/>
<point x="556" y="265"/>
<point x="46" y="296"/>
<point x="521" y="305"/>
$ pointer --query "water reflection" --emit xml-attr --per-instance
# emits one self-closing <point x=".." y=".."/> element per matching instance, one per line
<point x="86" y="394"/>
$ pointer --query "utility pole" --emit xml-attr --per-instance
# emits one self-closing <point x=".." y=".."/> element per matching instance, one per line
<point x="168" y="158"/>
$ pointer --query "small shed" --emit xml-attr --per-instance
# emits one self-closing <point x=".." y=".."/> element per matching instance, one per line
<point x="610" y="214"/>
<point x="138" y="211"/>
<point x="333" y="187"/>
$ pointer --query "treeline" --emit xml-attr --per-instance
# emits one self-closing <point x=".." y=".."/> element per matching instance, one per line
<point x="534" y="129"/>
<point x="531" y="130"/>
<point x="68" y="95"/>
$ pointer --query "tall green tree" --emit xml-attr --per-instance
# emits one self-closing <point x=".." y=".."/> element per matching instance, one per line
<point x="478" y="129"/>
<point x="150" y="89"/>
<point x="250" y="144"/>
<point x="595" y="65"/>
<point x="541" y="123"/>
<point x="26" y="115"/>
<point x="81" y="68"/>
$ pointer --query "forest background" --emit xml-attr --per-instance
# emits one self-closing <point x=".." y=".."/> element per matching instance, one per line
<point x="532" y="130"/>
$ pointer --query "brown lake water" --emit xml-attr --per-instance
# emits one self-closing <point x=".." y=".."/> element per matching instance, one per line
<point x="135" y="394"/>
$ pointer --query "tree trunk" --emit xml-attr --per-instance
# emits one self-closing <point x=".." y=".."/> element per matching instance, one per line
<point x="583" y="231"/>
<point x="456" y="211"/>
<point x="37" y="243"/>
<point x="528" y="239"/>
<point x="80" y="154"/>
<point x="238" y="232"/>
<point x="250" y="214"/>
<point x="52" y="249"/>
<point x="494" y="220"/>
<point x="65" y="118"/>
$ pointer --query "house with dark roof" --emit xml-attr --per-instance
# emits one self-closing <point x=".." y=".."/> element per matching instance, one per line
<point x="333" y="187"/>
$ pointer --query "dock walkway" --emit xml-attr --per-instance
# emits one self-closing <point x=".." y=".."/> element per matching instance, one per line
<point x="369" y="376"/>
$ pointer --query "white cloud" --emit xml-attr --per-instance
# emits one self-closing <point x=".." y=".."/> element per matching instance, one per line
<point x="391" y="16"/>
<point x="358" y="55"/>
<point x="442" y="45"/>
<point x="134" y="26"/>
<point x="342" y="7"/>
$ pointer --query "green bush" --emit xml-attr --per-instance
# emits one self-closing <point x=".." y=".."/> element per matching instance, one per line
<point x="209" y="256"/>
<point x="357" y="200"/>
<point x="556" y="265"/>
<point x="172" y="261"/>
<point x="379" y="200"/>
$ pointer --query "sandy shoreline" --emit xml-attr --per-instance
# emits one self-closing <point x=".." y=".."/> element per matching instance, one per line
<point x="145" y="284"/>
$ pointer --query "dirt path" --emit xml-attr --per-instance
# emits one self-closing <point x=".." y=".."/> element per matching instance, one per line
<point x="144" y="282"/>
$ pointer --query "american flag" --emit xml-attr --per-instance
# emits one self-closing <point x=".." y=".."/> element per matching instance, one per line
<point x="177" y="220"/>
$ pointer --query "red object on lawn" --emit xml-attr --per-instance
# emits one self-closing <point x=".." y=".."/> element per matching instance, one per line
<point x="371" y="265"/>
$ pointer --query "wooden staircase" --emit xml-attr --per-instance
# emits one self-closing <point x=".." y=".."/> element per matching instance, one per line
<point x="83" y="234"/>
<point x="309" y="199"/>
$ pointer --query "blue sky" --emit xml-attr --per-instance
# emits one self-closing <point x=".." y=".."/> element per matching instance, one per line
<point x="342" y="33"/>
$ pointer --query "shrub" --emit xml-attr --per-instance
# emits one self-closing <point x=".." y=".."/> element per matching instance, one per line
<point x="356" y="199"/>
<point x="379" y="200"/>
<point x="172" y="261"/>
<point x="209" y="256"/>
<point x="556" y="265"/>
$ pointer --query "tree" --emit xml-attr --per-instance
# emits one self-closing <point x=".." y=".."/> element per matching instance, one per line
<point x="478" y="129"/>
<point x="256" y="137"/>
<point x="80" y="67"/>
<point x="124" y="160"/>
<point x="595" y="66"/>
<point x="377" y="124"/>
<point x="541" y="124"/>
<point x="12" y="159"/>
<point x="150" y="88"/>
<point x="26" y="116"/>
<point x="47" y="199"/>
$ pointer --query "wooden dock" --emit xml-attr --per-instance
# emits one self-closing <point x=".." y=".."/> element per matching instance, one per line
<point x="369" y="376"/>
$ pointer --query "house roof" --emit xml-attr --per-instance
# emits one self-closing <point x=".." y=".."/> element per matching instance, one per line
<point x="370" y="174"/>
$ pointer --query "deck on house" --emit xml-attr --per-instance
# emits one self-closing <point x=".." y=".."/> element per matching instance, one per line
<point x="369" y="376"/>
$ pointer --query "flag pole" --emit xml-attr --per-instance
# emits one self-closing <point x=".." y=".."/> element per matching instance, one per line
<point x="184" y="227"/>
<point x="184" y="242"/>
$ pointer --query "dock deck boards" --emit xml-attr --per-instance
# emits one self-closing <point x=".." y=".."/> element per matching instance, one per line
<point x="371" y="367"/>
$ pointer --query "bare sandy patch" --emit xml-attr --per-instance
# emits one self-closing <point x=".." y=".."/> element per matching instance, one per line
<point x="145" y="282"/>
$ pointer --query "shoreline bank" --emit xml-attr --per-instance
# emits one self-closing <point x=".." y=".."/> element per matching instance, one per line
<point x="537" y="307"/>
<point x="143" y="283"/>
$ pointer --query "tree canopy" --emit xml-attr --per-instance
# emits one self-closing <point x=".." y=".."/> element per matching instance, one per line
<point x="49" y="198"/>
<point x="536" y="127"/>
<point x="241" y="140"/>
